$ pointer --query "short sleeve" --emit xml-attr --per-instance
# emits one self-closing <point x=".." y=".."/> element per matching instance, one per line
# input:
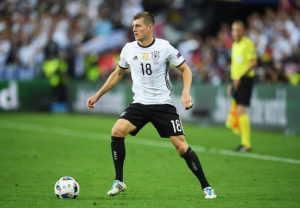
<point x="251" y="53"/>
<point x="123" y="59"/>
<point x="174" y="56"/>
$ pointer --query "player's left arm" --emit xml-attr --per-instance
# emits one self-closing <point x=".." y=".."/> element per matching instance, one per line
<point x="187" y="76"/>
<point x="253" y="63"/>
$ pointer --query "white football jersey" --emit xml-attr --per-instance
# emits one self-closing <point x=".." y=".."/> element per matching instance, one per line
<point x="150" y="70"/>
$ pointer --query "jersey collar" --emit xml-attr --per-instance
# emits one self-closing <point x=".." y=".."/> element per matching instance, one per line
<point x="242" y="38"/>
<point x="147" y="45"/>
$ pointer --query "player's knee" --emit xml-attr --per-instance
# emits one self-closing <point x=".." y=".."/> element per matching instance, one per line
<point x="118" y="132"/>
<point x="181" y="149"/>
<point x="241" y="110"/>
<point x="180" y="144"/>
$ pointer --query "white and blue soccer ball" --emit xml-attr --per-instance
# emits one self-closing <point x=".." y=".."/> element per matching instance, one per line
<point x="66" y="187"/>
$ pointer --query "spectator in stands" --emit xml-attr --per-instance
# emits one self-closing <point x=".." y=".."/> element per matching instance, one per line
<point x="31" y="31"/>
<point x="5" y="46"/>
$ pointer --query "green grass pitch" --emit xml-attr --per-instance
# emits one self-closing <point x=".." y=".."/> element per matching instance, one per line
<point x="36" y="149"/>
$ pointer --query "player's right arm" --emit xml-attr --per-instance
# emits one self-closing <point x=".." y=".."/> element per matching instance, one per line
<point x="112" y="80"/>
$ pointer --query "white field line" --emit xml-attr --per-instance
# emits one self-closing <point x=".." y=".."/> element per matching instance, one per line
<point x="135" y="140"/>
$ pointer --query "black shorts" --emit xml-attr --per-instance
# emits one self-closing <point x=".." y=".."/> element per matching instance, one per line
<point x="164" y="118"/>
<point x="243" y="94"/>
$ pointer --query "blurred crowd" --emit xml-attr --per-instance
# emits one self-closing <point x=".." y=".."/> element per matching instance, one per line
<point x="276" y="35"/>
<point x="82" y="39"/>
<point x="77" y="38"/>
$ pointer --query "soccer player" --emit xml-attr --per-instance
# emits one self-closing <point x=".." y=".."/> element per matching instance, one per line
<point x="243" y="61"/>
<point x="148" y="59"/>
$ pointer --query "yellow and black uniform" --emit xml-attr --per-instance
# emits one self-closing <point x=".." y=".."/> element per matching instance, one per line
<point x="242" y="54"/>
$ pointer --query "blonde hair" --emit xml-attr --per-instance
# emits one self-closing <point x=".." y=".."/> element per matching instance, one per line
<point x="147" y="17"/>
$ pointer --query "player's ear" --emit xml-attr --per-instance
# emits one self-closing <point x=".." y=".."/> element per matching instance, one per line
<point x="150" y="27"/>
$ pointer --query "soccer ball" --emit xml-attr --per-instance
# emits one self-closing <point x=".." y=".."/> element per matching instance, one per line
<point x="66" y="187"/>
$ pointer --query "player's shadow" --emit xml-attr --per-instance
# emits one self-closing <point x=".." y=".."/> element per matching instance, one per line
<point x="121" y="196"/>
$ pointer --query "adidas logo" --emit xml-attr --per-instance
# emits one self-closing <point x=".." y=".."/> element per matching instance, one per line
<point x="115" y="155"/>
<point x="119" y="186"/>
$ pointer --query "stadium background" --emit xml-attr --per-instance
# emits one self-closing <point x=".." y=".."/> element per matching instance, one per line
<point x="55" y="54"/>
<point x="75" y="46"/>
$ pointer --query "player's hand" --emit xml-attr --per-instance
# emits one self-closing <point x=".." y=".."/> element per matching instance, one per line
<point x="91" y="101"/>
<point x="187" y="101"/>
<point x="236" y="84"/>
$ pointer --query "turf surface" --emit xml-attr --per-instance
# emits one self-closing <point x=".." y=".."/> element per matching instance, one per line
<point x="37" y="149"/>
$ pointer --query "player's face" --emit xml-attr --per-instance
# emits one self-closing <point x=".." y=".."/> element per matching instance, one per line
<point x="141" y="31"/>
<point x="237" y="31"/>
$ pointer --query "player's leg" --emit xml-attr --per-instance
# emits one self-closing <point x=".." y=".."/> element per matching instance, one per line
<point x="168" y="124"/>
<point x="244" y="123"/>
<point x="118" y="133"/>
<point x="243" y="96"/>
<point x="121" y="129"/>
<point x="130" y="121"/>
<point x="193" y="163"/>
<point x="190" y="158"/>
<point x="179" y="143"/>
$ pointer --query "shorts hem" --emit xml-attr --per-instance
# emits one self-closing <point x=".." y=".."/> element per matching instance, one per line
<point x="167" y="137"/>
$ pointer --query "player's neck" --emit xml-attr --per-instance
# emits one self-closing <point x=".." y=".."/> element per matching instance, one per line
<point x="146" y="42"/>
<point x="239" y="39"/>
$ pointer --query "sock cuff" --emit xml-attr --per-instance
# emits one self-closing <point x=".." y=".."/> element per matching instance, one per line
<point x="117" y="139"/>
<point x="188" y="152"/>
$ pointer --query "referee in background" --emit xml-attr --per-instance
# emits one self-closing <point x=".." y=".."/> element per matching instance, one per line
<point x="243" y="61"/>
